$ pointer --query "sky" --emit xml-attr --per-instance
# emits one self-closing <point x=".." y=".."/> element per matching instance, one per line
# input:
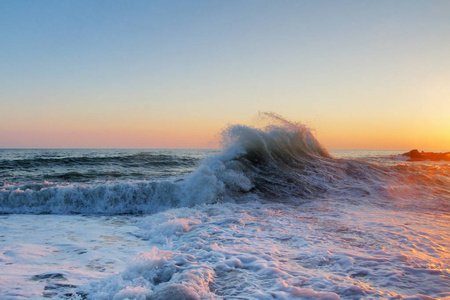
<point x="174" y="74"/>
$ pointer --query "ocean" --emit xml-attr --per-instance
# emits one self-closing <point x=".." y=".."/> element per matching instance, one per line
<point x="273" y="215"/>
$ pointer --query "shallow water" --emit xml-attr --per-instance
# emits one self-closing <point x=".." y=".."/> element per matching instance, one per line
<point x="247" y="251"/>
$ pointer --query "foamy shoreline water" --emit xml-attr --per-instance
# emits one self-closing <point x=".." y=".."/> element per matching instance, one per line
<point x="251" y="250"/>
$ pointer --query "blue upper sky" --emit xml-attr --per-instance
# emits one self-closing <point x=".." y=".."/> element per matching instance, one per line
<point x="146" y="64"/>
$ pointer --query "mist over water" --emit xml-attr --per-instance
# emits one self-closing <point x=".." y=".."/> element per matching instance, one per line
<point x="272" y="215"/>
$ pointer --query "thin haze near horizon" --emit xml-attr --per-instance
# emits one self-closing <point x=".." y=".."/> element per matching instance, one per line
<point x="173" y="74"/>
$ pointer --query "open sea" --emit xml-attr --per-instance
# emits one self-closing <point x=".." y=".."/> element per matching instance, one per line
<point x="273" y="215"/>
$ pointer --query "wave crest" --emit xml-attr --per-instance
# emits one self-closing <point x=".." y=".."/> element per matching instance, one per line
<point x="282" y="162"/>
<point x="274" y="162"/>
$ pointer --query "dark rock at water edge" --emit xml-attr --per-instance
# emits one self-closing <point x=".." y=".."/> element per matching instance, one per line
<point x="415" y="155"/>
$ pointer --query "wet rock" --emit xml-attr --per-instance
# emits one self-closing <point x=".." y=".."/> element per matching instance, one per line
<point x="415" y="155"/>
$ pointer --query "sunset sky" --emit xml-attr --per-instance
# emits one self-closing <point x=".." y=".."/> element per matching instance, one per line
<point x="173" y="74"/>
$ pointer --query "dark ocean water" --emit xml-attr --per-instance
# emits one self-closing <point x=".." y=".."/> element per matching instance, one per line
<point x="90" y="165"/>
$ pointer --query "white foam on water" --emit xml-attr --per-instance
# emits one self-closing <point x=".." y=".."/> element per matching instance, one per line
<point x="48" y="255"/>
<point x="324" y="249"/>
<point x="267" y="251"/>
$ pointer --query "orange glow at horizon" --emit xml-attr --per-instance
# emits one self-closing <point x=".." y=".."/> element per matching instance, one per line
<point x="204" y="133"/>
<point x="376" y="134"/>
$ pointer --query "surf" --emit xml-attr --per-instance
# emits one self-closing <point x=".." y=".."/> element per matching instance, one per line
<point x="282" y="162"/>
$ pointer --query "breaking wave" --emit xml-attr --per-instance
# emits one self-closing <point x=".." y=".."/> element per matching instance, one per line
<point x="282" y="162"/>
